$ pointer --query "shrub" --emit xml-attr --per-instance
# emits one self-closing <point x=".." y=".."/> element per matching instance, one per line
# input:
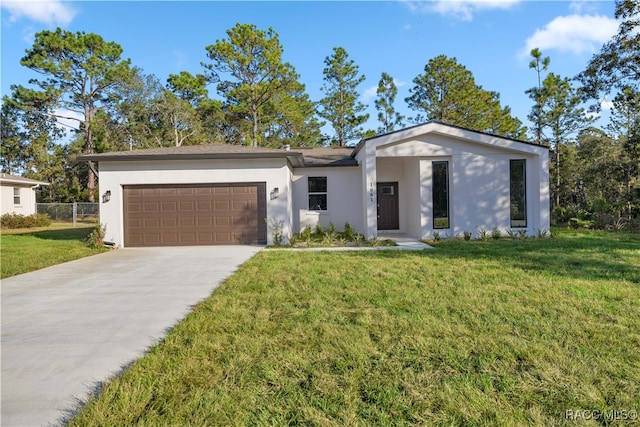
<point x="331" y="229"/>
<point x="305" y="235"/>
<point x="349" y="233"/>
<point x="276" y="226"/>
<point x="483" y="234"/>
<point x="495" y="233"/>
<point x="95" y="239"/>
<point x="319" y="229"/>
<point x="22" y="221"/>
<point x="467" y="235"/>
<point x="436" y="236"/>
<point x="542" y="233"/>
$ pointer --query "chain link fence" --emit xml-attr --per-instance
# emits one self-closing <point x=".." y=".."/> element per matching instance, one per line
<point x="71" y="212"/>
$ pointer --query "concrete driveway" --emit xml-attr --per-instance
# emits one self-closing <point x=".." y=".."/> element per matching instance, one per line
<point x="68" y="327"/>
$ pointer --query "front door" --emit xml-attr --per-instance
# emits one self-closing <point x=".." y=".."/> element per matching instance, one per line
<point x="388" y="217"/>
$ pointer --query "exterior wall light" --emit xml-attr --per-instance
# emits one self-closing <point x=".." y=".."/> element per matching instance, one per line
<point x="106" y="196"/>
<point x="275" y="193"/>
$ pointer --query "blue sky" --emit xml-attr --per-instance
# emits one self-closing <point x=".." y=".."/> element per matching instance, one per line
<point x="492" y="38"/>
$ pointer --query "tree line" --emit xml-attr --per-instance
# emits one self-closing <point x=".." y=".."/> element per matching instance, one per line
<point x="260" y="101"/>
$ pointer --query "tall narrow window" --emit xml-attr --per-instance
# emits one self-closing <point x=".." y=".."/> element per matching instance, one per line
<point x="518" y="191"/>
<point x="440" y="194"/>
<point x="16" y="196"/>
<point x="317" y="193"/>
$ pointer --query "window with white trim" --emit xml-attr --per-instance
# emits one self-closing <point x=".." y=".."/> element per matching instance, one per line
<point x="16" y="195"/>
<point x="317" y="186"/>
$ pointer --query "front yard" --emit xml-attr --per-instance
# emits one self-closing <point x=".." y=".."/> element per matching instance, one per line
<point x="470" y="333"/>
<point x="26" y="250"/>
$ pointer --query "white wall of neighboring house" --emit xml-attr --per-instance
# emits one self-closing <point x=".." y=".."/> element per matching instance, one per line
<point x="115" y="174"/>
<point x="344" y="198"/>
<point x="27" y="205"/>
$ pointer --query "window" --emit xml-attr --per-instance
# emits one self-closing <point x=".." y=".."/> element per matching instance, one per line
<point x="317" y="193"/>
<point x="518" y="191"/>
<point x="16" y="196"/>
<point x="440" y="194"/>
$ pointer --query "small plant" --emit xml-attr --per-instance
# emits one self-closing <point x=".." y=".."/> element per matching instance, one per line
<point x="319" y="229"/>
<point x="327" y="239"/>
<point x="466" y="235"/>
<point x="495" y="233"/>
<point x="483" y="234"/>
<point x="436" y="236"/>
<point x="358" y="239"/>
<point x="294" y="239"/>
<point x="276" y="226"/>
<point x="95" y="239"/>
<point x="511" y="233"/>
<point x="349" y="233"/>
<point x="522" y="233"/>
<point x="331" y="229"/>
<point x="341" y="241"/>
<point x="542" y="233"/>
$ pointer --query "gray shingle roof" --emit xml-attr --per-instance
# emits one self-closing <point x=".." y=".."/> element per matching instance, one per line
<point x="298" y="157"/>
<point x="12" y="179"/>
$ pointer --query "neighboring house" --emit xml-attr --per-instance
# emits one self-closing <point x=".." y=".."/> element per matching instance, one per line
<point x="416" y="181"/>
<point x="18" y="194"/>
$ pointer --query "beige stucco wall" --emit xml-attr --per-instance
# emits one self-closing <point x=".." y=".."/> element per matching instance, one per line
<point x="344" y="198"/>
<point x="27" y="204"/>
<point x="114" y="175"/>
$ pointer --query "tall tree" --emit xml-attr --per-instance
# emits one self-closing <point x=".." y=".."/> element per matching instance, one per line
<point x="447" y="92"/>
<point x="340" y="105"/>
<point x="387" y="115"/>
<point x="562" y="117"/>
<point x="617" y="65"/>
<point x="13" y="143"/>
<point x="625" y="128"/>
<point x="253" y="59"/>
<point x="539" y="64"/>
<point x="81" y="71"/>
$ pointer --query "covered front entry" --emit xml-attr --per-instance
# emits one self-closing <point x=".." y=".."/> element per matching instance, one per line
<point x="194" y="214"/>
<point x="388" y="209"/>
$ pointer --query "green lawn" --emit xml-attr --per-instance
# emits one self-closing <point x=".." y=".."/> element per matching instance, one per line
<point x="22" y="251"/>
<point x="471" y="333"/>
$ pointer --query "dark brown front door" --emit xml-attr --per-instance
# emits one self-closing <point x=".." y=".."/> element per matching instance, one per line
<point x="388" y="217"/>
<point x="195" y="214"/>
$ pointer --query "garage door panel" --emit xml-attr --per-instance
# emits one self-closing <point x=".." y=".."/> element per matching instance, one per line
<point x="200" y="214"/>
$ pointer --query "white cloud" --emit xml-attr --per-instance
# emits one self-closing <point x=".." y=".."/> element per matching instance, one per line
<point x="573" y="33"/>
<point x="50" y="12"/>
<point x="69" y="119"/>
<point x="371" y="92"/>
<point x="606" y="105"/>
<point x="459" y="9"/>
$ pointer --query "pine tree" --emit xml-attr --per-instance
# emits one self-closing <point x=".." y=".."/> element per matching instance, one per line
<point x="340" y="106"/>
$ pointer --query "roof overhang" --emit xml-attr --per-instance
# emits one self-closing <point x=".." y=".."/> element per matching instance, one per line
<point x="295" y="159"/>
<point x="462" y="134"/>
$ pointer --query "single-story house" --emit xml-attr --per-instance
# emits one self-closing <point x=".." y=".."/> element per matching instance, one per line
<point x="416" y="181"/>
<point x="18" y="194"/>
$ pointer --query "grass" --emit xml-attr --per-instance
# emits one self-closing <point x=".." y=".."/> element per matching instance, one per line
<point x="27" y="250"/>
<point x="469" y="334"/>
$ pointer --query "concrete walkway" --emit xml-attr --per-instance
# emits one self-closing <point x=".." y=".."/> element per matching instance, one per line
<point x="67" y="328"/>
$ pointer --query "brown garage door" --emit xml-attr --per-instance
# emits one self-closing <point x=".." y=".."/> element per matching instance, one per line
<point x="195" y="214"/>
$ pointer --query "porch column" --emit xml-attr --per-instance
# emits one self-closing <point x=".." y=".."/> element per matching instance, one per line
<point x="370" y="193"/>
